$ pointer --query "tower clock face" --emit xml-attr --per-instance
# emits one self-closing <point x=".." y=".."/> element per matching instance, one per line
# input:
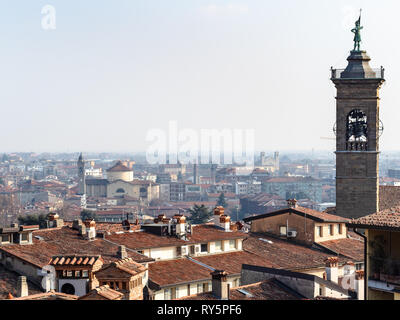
<point x="357" y="128"/>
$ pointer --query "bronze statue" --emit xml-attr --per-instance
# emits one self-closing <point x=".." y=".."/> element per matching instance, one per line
<point x="357" y="34"/>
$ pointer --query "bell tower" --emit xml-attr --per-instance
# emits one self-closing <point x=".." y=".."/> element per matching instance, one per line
<point x="357" y="133"/>
<point x="81" y="175"/>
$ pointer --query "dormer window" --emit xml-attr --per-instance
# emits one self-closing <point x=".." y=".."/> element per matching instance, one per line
<point x="24" y="237"/>
<point x="5" y="238"/>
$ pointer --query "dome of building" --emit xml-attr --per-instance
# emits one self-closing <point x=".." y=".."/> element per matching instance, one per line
<point x="119" y="172"/>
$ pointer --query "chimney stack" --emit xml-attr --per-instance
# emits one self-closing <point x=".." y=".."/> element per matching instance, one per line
<point x="90" y="229"/>
<point x="359" y="284"/>
<point x="122" y="254"/>
<point x="331" y="269"/>
<point x="180" y="225"/>
<point x="54" y="221"/>
<point x="22" y="287"/>
<point x="225" y="222"/>
<point x="218" y="212"/>
<point x="220" y="287"/>
<point x="82" y="230"/>
<point x="292" y="203"/>
<point x="76" y="223"/>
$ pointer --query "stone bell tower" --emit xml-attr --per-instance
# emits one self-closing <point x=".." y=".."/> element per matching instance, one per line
<point x="81" y="175"/>
<point x="357" y="135"/>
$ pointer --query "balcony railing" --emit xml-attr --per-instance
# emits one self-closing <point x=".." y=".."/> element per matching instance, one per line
<point x="377" y="73"/>
<point x="386" y="270"/>
<point x="357" y="146"/>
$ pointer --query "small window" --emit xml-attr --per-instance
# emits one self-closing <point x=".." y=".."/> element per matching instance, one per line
<point x="77" y="274"/>
<point x="282" y="230"/>
<point x="85" y="273"/>
<point x="340" y="228"/>
<point x="319" y="231"/>
<point x="204" y="247"/>
<point x="5" y="238"/>
<point x="24" y="237"/>
<point x="331" y="230"/>
<point x="199" y="288"/>
<point x="232" y="244"/>
<point x="205" y="287"/>
<point x="120" y="190"/>
<point x="69" y="273"/>
<point x="218" y="245"/>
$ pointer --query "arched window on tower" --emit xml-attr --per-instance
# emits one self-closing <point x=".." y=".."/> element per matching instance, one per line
<point x="120" y="190"/>
<point x="356" y="131"/>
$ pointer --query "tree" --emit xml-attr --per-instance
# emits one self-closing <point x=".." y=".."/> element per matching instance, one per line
<point x="34" y="219"/>
<point x="88" y="215"/>
<point x="199" y="214"/>
<point x="221" y="201"/>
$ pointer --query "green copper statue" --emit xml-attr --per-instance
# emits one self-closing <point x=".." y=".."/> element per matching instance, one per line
<point x="357" y="34"/>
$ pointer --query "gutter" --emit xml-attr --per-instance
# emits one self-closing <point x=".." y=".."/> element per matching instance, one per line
<point x="365" y="262"/>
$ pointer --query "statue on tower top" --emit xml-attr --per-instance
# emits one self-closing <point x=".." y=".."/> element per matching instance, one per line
<point x="357" y="34"/>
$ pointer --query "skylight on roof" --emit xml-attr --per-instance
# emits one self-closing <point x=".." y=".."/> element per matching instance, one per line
<point x="265" y="240"/>
<point x="244" y="292"/>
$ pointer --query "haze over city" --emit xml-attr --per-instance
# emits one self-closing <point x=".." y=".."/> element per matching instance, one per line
<point x="111" y="71"/>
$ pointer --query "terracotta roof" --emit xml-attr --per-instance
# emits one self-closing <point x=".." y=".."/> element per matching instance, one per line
<point x="389" y="197"/>
<point x="232" y="262"/>
<point x="102" y="293"/>
<point x="121" y="268"/>
<point x="74" y="260"/>
<point x="52" y="295"/>
<point x="271" y="289"/>
<point x="287" y="255"/>
<point x="349" y="247"/>
<point x="310" y="213"/>
<point x="118" y="167"/>
<point x="172" y="272"/>
<point x="8" y="283"/>
<point x="388" y="219"/>
<point x="65" y="241"/>
<point x="200" y="234"/>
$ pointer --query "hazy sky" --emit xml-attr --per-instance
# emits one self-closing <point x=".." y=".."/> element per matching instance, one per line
<point x="113" y="70"/>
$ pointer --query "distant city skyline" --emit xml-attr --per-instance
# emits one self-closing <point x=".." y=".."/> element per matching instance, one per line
<point x="109" y="73"/>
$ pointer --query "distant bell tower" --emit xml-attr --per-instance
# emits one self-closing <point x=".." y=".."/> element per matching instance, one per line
<point x="357" y="132"/>
<point x="81" y="176"/>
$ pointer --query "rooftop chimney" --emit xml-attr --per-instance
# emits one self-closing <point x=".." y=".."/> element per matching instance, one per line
<point x="292" y="203"/>
<point x="122" y="254"/>
<point x="331" y="269"/>
<point x="76" y="224"/>
<point x="82" y="229"/>
<point x="90" y="229"/>
<point x="22" y="287"/>
<point x="220" y="287"/>
<point x="218" y="212"/>
<point x="180" y="224"/>
<point x="359" y="284"/>
<point x="55" y="221"/>
<point x="225" y="222"/>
